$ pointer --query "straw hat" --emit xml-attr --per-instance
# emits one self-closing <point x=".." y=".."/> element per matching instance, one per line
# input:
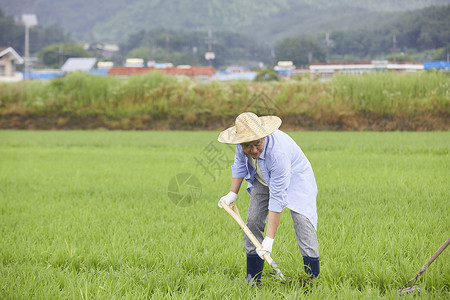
<point x="249" y="127"/>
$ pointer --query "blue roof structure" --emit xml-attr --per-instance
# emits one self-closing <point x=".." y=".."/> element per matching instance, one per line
<point x="436" y="65"/>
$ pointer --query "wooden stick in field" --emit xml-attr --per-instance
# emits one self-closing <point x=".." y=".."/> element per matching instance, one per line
<point x="413" y="288"/>
<point x="234" y="212"/>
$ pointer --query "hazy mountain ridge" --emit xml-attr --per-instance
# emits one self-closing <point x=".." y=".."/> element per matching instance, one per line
<point x="269" y="20"/>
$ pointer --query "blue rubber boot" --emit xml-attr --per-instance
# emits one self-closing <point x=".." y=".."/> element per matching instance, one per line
<point x="255" y="266"/>
<point x="312" y="266"/>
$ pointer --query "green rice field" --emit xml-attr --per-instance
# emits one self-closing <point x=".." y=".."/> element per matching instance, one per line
<point x="133" y="215"/>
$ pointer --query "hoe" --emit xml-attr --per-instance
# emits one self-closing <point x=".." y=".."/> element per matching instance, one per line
<point x="234" y="212"/>
<point x="413" y="288"/>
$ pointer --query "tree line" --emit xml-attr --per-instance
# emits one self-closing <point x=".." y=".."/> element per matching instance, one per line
<point x="417" y="35"/>
<point x="189" y="47"/>
<point x="12" y="33"/>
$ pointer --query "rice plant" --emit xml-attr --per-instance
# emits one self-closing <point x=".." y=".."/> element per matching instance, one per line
<point x="88" y="215"/>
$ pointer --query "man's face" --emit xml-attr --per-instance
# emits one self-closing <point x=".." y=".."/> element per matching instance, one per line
<point x="254" y="148"/>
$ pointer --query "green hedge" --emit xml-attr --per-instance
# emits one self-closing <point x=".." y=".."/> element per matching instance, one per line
<point x="380" y="101"/>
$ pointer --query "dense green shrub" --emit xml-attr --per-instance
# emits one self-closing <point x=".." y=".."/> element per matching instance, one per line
<point x="406" y="101"/>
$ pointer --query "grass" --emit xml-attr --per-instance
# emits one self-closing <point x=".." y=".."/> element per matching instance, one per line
<point x="380" y="101"/>
<point x="386" y="92"/>
<point x="86" y="215"/>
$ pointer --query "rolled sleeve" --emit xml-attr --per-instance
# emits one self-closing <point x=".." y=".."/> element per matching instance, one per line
<point x="280" y="179"/>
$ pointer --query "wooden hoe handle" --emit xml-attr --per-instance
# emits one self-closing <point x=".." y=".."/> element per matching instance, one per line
<point x="237" y="217"/>
<point x="435" y="255"/>
<point x="425" y="266"/>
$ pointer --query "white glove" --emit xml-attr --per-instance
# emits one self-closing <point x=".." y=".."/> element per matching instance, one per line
<point x="228" y="199"/>
<point x="267" y="247"/>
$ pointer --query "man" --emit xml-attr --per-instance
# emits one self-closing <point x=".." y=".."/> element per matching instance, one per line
<point x="279" y="175"/>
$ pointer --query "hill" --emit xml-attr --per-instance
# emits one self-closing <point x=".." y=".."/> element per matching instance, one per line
<point x="268" y="20"/>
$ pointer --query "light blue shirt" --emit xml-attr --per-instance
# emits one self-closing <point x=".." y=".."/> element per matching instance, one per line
<point x="288" y="174"/>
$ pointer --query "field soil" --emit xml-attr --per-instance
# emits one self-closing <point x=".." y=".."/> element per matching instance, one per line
<point x="64" y="121"/>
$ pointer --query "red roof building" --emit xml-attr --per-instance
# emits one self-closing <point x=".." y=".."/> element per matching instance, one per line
<point x="191" y="71"/>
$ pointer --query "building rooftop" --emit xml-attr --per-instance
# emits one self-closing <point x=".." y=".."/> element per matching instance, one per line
<point x="78" y="64"/>
<point x="13" y="55"/>
<point x="184" y="70"/>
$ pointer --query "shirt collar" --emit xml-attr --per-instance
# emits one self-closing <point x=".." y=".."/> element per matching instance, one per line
<point x="263" y="153"/>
